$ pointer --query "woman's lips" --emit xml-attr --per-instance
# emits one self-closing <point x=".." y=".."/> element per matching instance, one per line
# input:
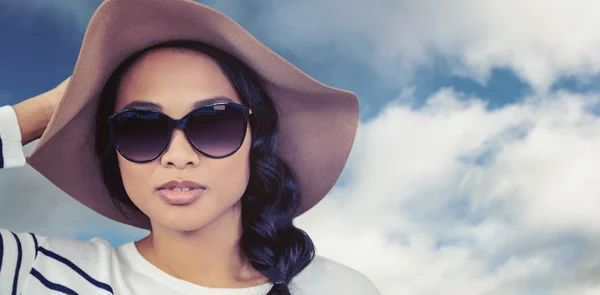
<point x="183" y="197"/>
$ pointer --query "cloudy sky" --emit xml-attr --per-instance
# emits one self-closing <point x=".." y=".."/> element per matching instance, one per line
<point x="474" y="171"/>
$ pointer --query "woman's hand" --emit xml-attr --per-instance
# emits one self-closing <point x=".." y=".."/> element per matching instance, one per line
<point x="33" y="114"/>
<point x="55" y="94"/>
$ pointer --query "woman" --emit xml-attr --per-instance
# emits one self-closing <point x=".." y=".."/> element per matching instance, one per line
<point x="213" y="149"/>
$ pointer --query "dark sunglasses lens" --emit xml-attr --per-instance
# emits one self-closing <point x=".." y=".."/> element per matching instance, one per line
<point x="217" y="132"/>
<point x="140" y="135"/>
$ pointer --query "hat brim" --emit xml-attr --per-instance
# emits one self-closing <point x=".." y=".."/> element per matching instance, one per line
<point x="318" y="122"/>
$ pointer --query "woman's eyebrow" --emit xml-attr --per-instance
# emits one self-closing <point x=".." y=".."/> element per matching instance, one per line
<point x="208" y="101"/>
<point x="150" y="105"/>
<point x="143" y="105"/>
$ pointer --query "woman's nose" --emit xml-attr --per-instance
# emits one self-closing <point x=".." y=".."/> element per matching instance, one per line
<point x="180" y="152"/>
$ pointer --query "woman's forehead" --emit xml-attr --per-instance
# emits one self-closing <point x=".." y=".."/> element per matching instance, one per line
<point x="175" y="80"/>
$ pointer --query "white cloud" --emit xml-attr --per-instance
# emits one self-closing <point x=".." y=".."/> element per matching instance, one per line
<point x="541" y="40"/>
<point x="423" y="216"/>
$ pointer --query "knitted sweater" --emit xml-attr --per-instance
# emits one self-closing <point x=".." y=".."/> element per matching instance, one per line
<point x="36" y="264"/>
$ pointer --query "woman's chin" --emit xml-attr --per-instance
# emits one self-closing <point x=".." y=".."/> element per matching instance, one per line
<point x="179" y="220"/>
<point x="190" y="217"/>
<point x="182" y="224"/>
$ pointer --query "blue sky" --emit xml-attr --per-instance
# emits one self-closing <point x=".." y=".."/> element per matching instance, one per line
<point x="474" y="169"/>
<point x="39" y="50"/>
<point x="43" y="49"/>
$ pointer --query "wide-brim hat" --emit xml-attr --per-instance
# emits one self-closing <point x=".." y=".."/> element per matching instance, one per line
<point x="318" y="123"/>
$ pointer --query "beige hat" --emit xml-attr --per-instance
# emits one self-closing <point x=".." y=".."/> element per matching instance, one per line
<point x="318" y="122"/>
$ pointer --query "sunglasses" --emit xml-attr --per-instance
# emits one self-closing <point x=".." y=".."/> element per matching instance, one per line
<point x="216" y="131"/>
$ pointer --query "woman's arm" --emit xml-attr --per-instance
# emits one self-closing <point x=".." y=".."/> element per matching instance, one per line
<point x="33" y="115"/>
<point x="11" y="149"/>
<point x="25" y="122"/>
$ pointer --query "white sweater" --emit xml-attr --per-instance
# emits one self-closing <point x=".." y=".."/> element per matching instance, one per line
<point x="34" y="264"/>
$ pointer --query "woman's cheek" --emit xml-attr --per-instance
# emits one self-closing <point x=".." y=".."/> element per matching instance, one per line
<point x="136" y="180"/>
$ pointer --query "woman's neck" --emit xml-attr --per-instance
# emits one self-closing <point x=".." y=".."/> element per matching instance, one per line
<point x="210" y="256"/>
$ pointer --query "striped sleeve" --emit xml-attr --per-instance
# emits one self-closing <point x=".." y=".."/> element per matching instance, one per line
<point x="18" y="252"/>
<point x="11" y="148"/>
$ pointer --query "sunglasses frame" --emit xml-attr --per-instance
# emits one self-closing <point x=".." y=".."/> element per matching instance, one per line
<point x="181" y="124"/>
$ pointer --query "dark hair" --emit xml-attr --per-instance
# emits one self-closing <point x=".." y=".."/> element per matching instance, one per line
<point x="274" y="246"/>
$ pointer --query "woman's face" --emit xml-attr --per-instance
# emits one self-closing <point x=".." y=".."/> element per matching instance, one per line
<point x="175" y="79"/>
